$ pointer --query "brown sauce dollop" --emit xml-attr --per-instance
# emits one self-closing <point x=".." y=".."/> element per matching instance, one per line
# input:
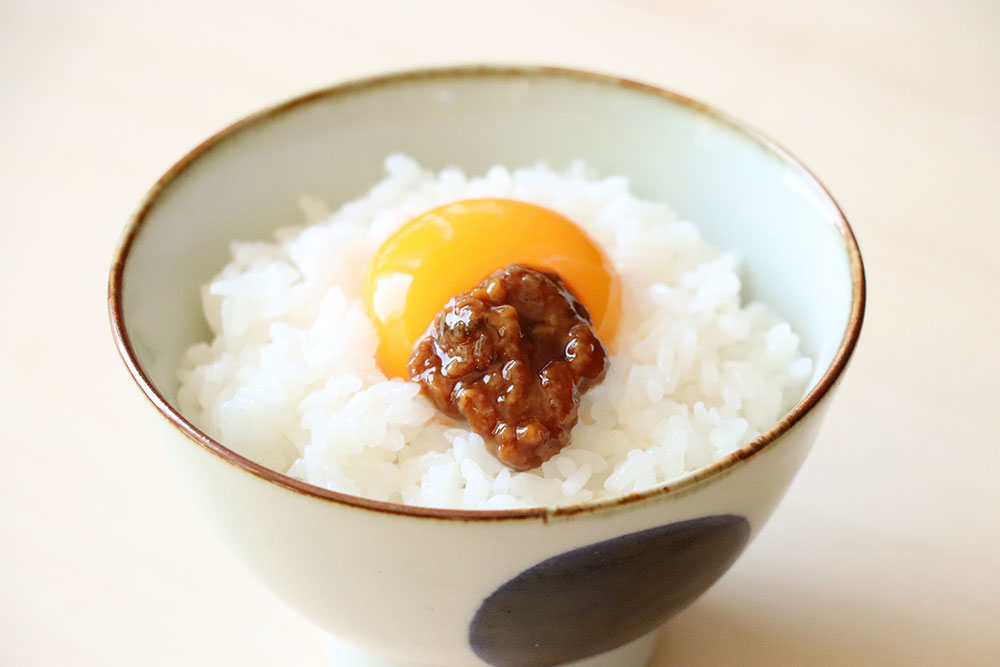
<point x="512" y="355"/>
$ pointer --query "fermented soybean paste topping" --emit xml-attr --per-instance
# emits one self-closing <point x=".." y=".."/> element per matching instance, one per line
<point x="513" y="356"/>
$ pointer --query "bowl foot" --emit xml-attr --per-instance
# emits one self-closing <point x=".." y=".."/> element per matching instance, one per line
<point x="634" y="654"/>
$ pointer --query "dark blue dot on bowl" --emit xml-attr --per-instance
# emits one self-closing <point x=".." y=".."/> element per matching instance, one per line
<point x="601" y="596"/>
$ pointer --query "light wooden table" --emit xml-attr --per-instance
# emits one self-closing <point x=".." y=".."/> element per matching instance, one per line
<point x="885" y="551"/>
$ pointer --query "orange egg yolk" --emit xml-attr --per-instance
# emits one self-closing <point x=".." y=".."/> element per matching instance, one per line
<point x="452" y="248"/>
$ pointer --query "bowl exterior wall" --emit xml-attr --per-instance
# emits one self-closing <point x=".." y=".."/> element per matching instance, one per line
<point x="410" y="587"/>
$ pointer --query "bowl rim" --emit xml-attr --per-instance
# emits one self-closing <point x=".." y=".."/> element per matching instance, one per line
<point x="684" y="482"/>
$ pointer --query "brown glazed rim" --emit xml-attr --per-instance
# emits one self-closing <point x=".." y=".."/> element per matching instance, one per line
<point x="687" y="481"/>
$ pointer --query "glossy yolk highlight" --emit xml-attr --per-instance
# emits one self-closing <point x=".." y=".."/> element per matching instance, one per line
<point x="452" y="248"/>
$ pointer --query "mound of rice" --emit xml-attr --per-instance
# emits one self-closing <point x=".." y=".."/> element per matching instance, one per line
<point x="290" y="380"/>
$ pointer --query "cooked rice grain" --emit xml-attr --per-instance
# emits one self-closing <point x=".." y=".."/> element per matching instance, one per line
<point x="289" y="379"/>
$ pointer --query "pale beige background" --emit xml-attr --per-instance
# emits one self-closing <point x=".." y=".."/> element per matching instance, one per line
<point x="886" y="549"/>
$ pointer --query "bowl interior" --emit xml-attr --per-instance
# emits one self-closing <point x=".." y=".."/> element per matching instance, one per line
<point x="743" y="192"/>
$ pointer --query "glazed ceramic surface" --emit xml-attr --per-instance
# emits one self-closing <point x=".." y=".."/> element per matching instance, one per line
<point x="454" y="588"/>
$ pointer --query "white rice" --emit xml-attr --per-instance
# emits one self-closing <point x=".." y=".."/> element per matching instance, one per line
<point x="290" y="380"/>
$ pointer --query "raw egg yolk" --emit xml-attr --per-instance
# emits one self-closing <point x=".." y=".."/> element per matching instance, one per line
<point x="452" y="248"/>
